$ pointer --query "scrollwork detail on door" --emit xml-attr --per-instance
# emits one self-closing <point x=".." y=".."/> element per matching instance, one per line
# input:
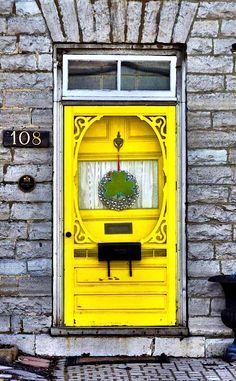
<point x="83" y="122"/>
<point x="80" y="234"/>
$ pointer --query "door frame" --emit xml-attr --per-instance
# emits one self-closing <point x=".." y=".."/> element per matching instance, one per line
<point x="58" y="266"/>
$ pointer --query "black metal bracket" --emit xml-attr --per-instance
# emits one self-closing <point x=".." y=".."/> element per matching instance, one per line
<point x="124" y="251"/>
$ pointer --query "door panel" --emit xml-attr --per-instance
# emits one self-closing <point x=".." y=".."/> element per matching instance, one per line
<point x="95" y="296"/>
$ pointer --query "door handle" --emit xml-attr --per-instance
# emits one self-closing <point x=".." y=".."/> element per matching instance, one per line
<point x="68" y="234"/>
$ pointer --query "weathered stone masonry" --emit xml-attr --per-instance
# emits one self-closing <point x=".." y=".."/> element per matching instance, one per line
<point x="28" y="30"/>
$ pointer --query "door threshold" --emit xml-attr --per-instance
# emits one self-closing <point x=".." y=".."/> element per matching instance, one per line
<point x="122" y="331"/>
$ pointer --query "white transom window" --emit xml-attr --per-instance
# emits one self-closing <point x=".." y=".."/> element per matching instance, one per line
<point x="119" y="77"/>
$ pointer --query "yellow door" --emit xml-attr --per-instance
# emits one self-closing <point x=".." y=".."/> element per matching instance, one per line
<point x="119" y="216"/>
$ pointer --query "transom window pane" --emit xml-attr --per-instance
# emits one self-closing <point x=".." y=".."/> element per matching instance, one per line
<point x="92" y="75"/>
<point x="150" y="75"/>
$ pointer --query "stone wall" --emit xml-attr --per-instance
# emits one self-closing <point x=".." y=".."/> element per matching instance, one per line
<point x="28" y="30"/>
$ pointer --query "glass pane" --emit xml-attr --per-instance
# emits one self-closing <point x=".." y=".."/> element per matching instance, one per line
<point x="92" y="75"/>
<point x="91" y="173"/>
<point x="149" y="75"/>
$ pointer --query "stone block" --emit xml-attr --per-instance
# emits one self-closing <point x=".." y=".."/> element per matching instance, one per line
<point x="6" y="7"/>
<point x="19" y="62"/>
<point x="200" y="288"/>
<point x="205" y="28"/>
<point x="26" y="25"/>
<point x="33" y="44"/>
<point x="40" y="266"/>
<point x="228" y="266"/>
<point x="3" y="25"/>
<point x="210" y="65"/>
<point x="216" y="347"/>
<point x="17" y="118"/>
<point x="232" y="195"/>
<point x="211" y="326"/>
<point x="199" y="46"/>
<point x="4" y="211"/>
<point x="232" y="156"/>
<point x="37" y="324"/>
<point x="35" y="156"/>
<point x="86" y="20"/>
<point x="228" y="28"/>
<point x="224" y="119"/>
<point x="4" y="323"/>
<point x="207" y="156"/>
<point x="102" y="21"/>
<point x="9" y="285"/>
<point x="40" y="230"/>
<point x="42" y="118"/>
<point x="211" y="213"/>
<point x="7" y="44"/>
<point x="180" y="347"/>
<point x="184" y="21"/>
<point x="26" y="80"/>
<point x="69" y="18"/>
<point x="213" y="139"/>
<point x="200" y="250"/>
<point x="11" y="192"/>
<point x="149" y="32"/>
<point x="133" y="21"/>
<point x="7" y="248"/>
<point x="39" y="172"/>
<point x="33" y="285"/>
<point x="50" y="12"/>
<point x="25" y="343"/>
<point x="234" y="232"/>
<point x="211" y="175"/>
<point x="205" y="83"/>
<point x="223" y="46"/>
<point x="200" y="268"/>
<point x="16" y="324"/>
<point x="198" y="119"/>
<point x="226" y="250"/>
<point x="208" y="193"/>
<point x="26" y="305"/>
<point x="216" y="10"/>
<point x="33" y="249"/>
<point x="213" y="101"/>
<point x="199" y="307"/>
<point x="168" y="14"/>
<point x="29" y="99"/>
<point x="27" y="8"/>
<point x="118" y="19"/>
<point x="13" y="230"/>
<point x="231" y="82"/>
<point x="44" y="64"/>
<point x="12" y="267"/>
<point x="95" y="346"/>
<point x="217" y="305"/>
<point x="209" y="232"/>
<point x="37" y="211"/>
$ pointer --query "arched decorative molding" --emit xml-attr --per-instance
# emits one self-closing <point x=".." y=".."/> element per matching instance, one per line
<point x="122" y="21"/>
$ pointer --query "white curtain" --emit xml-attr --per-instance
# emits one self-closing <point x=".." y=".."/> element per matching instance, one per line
<point x="145" y="172"/>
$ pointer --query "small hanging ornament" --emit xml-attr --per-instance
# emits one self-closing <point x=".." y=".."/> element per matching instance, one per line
<point x="118" y="190"/>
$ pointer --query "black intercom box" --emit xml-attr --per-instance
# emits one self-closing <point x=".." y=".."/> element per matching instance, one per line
<point x="119" y="251"/>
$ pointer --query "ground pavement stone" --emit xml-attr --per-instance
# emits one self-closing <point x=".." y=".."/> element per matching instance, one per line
<point x="180" y="369"/>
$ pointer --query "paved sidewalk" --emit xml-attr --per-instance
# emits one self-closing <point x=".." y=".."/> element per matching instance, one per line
<point x="181" y="369"/>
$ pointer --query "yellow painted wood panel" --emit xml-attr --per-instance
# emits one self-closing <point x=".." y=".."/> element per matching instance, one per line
<point x="148" y="298"/>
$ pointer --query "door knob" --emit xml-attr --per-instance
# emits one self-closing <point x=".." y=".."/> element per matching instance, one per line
<point x="68" y="234"/>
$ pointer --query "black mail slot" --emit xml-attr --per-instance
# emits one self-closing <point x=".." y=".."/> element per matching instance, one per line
<point x="124" y="251"/>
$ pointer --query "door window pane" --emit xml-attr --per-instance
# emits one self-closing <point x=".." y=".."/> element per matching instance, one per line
<point x="92" y="75"/>
<point x="91" y="173"/>
<point x="149" y="75"/>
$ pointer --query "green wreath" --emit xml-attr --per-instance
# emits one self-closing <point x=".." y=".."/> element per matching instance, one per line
<point x="118" y="190"/>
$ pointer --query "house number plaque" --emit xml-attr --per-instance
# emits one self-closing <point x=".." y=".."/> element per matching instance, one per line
<point x="26" y="139"/>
